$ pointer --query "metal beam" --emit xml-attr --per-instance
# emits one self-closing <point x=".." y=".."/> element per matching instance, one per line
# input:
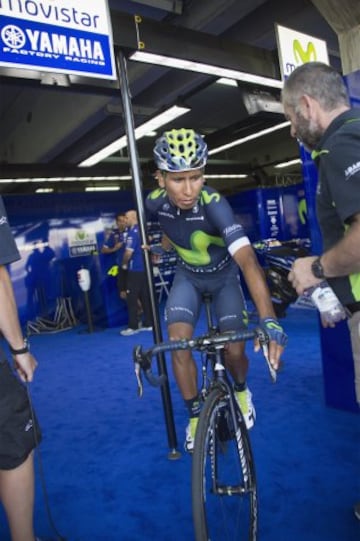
<point x="172" y="6"/>
<point x="163" y="38"/>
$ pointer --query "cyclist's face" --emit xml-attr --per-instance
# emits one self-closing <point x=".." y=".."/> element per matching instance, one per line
<point x="183" y="188"/>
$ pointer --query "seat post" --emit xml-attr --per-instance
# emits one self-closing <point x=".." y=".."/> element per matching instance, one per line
<point x="207" y="298"/>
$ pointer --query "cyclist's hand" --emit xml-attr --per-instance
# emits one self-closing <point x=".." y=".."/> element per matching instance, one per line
<point x="277" y="340"/>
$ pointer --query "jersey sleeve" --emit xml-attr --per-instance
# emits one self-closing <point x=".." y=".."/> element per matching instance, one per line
<point x="154" y="202"/>
<point x="341" y="168"/>
<point x="222" y="217"/>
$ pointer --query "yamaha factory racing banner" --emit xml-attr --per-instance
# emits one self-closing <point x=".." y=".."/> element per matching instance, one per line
<point x="59" y="36"/>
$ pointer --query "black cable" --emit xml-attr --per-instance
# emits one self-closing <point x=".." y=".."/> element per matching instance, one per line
<point x="59" y="537"/>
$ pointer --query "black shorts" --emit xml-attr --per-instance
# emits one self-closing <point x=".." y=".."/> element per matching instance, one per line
<point x="17" y="431"/>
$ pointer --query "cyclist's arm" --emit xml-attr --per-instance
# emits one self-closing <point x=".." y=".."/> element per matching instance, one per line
<point x="255" y="280"/>
<point x="259" y="291"/>
<point x="165" y="243"/>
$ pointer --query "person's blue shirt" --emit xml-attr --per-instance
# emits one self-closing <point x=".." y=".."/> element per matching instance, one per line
<point x="133" y="243"/>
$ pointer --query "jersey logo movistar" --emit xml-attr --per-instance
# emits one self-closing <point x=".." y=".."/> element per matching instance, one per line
<point x="158" y="192"/>
<point x="316" y="153"/>
<point x="206" y="198"/>
<point x="198" y="255"/>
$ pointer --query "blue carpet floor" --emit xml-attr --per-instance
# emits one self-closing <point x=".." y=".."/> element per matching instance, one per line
<point x="105" y="451"/>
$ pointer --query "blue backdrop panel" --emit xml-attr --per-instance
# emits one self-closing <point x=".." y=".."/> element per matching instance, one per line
<point x="338" y="367"/>
<point x="294" y="213"/>
<point x="279" y="213"/>
<point x="245" y="207"/>
<point x="57" y="234"/>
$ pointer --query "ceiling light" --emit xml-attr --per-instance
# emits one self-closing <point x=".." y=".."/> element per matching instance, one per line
<point x="67" y="179"/>
<point x="102" y="188"/>
<point x="260" y="133"/>
<point x="226" y="82"/>
<point x="225" y="176"/>
<point x="207" y="69"/>
<point x="151" y="125"/>
<point x="44" y="190"/>
<point x="287" y="164"/>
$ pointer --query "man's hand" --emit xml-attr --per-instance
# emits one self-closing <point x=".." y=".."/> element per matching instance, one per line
<point x="277" y="340"/>
<point x="25" y="365"/>
<point x="301" y="275"/>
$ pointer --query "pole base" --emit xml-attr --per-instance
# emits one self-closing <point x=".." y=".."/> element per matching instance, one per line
<point x="174" y="454"/>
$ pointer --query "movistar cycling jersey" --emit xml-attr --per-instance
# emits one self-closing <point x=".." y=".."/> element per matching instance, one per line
<point x="338" y="191"/>
<point x="204" y="237"/>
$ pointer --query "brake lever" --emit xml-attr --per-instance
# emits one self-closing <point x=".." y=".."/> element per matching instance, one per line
<point x="264" y="344"/>
<point x="139" y="379"/>
<point x="138" y="361"/>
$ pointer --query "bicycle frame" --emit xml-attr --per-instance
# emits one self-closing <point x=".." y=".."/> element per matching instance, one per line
<point x="213" y="472"/>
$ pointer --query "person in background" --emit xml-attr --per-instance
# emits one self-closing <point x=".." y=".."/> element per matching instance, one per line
<point x="316" y="102"/>
<point x="211" y="247"/>
<point x="137" y="288"/>
<point x="115" y="244"/>
<point x="17" y="423"/>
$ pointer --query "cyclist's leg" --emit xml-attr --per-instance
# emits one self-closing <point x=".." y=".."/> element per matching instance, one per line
<point x="231" y="315"/>
<point x="181" y="314"/>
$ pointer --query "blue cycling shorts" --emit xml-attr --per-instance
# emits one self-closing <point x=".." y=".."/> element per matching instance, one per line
<point x="185" y="299"/>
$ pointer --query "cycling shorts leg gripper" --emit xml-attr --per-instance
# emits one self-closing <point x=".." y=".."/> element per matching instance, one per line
<point x="230" y="306"/>
<point x="183" y="303"/>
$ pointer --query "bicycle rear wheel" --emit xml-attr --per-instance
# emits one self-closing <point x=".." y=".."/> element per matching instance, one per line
<point x="224" y="495"/>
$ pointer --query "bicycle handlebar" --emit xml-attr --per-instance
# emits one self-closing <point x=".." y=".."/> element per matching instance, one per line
<point x="143" y="358"/>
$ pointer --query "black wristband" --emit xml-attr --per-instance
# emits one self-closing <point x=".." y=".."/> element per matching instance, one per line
<point x="24" y="349"/>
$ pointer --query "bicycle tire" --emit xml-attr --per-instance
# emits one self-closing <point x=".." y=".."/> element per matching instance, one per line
<point x="230" y="510"/>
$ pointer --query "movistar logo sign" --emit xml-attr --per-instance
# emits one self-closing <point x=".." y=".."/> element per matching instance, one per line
<point x="304" y="55"/>
<point x="296" y="48"/>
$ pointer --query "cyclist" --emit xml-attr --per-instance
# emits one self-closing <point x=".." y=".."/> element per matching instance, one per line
<point x="211" y="247"/>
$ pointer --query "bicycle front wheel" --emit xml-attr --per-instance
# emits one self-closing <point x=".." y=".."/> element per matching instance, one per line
<point x="224" y="495"/>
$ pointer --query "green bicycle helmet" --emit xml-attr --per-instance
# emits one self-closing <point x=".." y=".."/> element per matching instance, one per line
<point x="180" y="150"/>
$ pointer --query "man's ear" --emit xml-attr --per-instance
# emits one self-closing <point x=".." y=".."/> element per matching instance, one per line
<point x="308" y="106"/>
<point x="161" y="180"/>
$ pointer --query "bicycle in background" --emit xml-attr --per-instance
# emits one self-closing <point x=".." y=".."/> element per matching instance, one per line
<point x="224" y="490"/>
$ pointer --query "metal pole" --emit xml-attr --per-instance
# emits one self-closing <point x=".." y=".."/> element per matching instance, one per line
<point x="88" y="312"/>
<point x="137" y="185"/>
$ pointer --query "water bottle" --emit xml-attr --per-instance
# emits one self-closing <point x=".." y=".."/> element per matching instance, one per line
<point x="325" y="300"/>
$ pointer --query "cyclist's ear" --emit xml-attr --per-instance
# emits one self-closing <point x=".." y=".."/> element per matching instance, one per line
<point x="160" y="177"/>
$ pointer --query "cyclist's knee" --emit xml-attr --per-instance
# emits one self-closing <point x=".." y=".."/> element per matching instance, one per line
<point x="178" y="331"/>
<point x="235" y="352"/>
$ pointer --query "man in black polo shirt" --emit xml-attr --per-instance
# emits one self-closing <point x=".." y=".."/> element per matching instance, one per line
<point x="17" y="430"/>
<point x="316" y="102"/>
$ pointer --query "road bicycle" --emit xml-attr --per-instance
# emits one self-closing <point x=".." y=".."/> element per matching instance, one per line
<point x="224" y="490"/>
